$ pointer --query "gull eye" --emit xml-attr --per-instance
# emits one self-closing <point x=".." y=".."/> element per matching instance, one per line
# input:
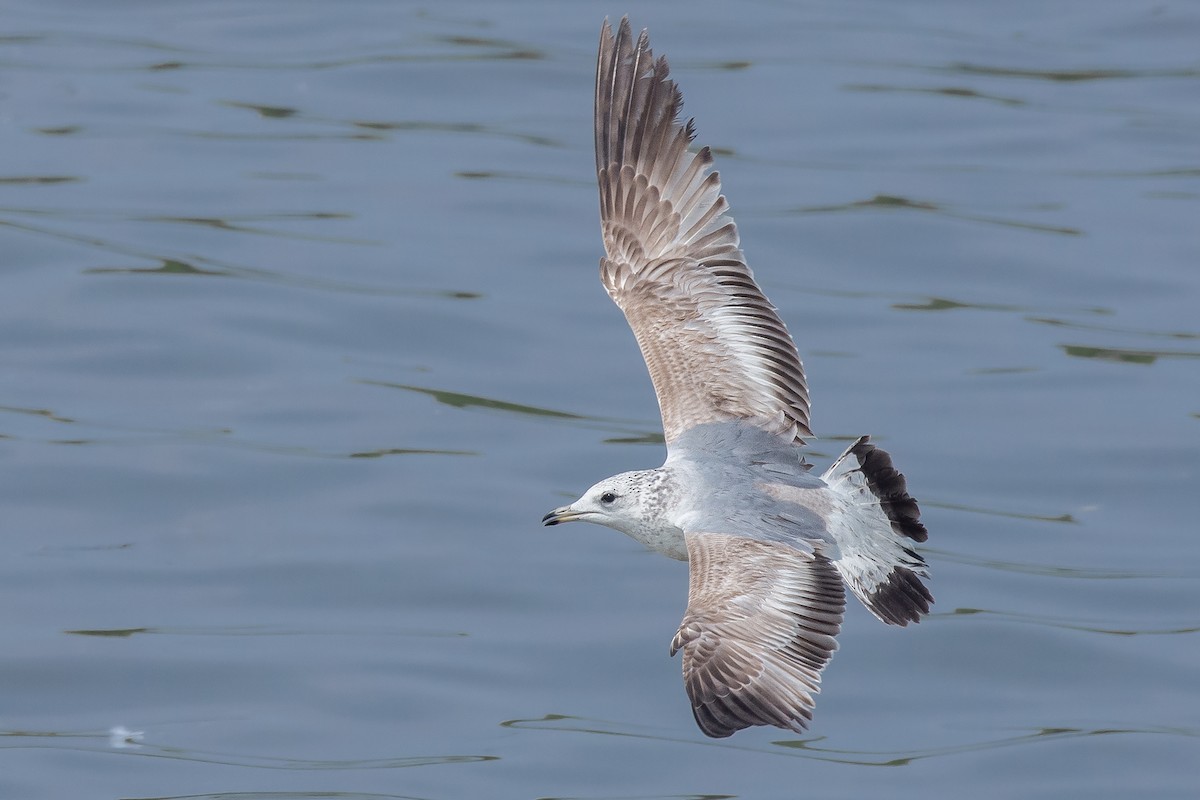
<point x="608" y="498"/>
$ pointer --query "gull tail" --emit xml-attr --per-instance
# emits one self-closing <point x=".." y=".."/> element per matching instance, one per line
<point x="875" y="534"/>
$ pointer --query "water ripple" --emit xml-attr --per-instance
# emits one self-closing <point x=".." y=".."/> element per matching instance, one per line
<point x="628" y="431"/>
<point x="886" y="201"/>
<point x="195" y="265"/>
<point x="460" y="400"/>
<point x="1124" y="355"/>
<point x="811" y="748"/>
<point x="1067" y="75"/>
<point x="37" y="179"/>
<point x="45" y="413"/>
<point x="335" y="795"/>
<point x="66" y="740"/>
<point x="1146" y="332"/>
<point x="1065" y="624"/>
<point x="110" y="434"/>
<point x="994" y="512"/>
<point x="264" y="631"/>
<point x="947" y="91"/>
<point x="142" y="749"/>
<point x="354" y="128"/>
<point x="1048" y="570"/>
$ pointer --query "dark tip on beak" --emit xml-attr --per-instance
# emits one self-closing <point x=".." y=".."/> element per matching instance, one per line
<point x="564" y="514"/>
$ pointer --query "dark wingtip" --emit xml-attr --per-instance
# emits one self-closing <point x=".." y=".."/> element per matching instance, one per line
<point x="902" y="598"/>
<point x="710" y="727"/>
<point x="888" y="485"/>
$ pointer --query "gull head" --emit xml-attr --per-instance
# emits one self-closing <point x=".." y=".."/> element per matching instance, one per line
<point x="638" y="504"/>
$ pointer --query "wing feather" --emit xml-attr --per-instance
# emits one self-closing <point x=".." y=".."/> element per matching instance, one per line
<point x="714" y="345"/>
<point x="759" y="628"/>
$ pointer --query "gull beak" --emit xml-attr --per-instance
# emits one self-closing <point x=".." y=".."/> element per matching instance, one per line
<point x="564" y="514"/>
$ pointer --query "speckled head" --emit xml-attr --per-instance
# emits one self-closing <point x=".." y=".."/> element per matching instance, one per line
<point x="634" y="503"/>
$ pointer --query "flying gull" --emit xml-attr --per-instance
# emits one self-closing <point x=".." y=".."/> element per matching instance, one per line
<point x="771" y="547"/>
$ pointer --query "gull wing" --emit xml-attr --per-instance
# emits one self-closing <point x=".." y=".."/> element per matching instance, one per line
<point x="759" y="628"/>
<point x="714" y="345"/>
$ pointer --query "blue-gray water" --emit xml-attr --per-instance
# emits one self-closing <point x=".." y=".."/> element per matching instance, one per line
<point x="302" y="334"/>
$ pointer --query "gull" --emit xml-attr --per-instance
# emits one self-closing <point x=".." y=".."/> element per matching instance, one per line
<point x="770" y="546"/>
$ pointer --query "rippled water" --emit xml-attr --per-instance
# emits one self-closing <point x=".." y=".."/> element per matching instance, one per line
<point x="303" y="334"/>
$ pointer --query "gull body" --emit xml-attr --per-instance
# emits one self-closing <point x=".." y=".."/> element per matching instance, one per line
<point x="771" y="546"/>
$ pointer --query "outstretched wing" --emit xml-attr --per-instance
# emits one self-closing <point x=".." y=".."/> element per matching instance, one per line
<point x="759" y="628"/>
<point x="715" y="347"/>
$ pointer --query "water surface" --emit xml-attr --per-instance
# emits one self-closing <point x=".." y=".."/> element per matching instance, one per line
<point x="303" y="334"/>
